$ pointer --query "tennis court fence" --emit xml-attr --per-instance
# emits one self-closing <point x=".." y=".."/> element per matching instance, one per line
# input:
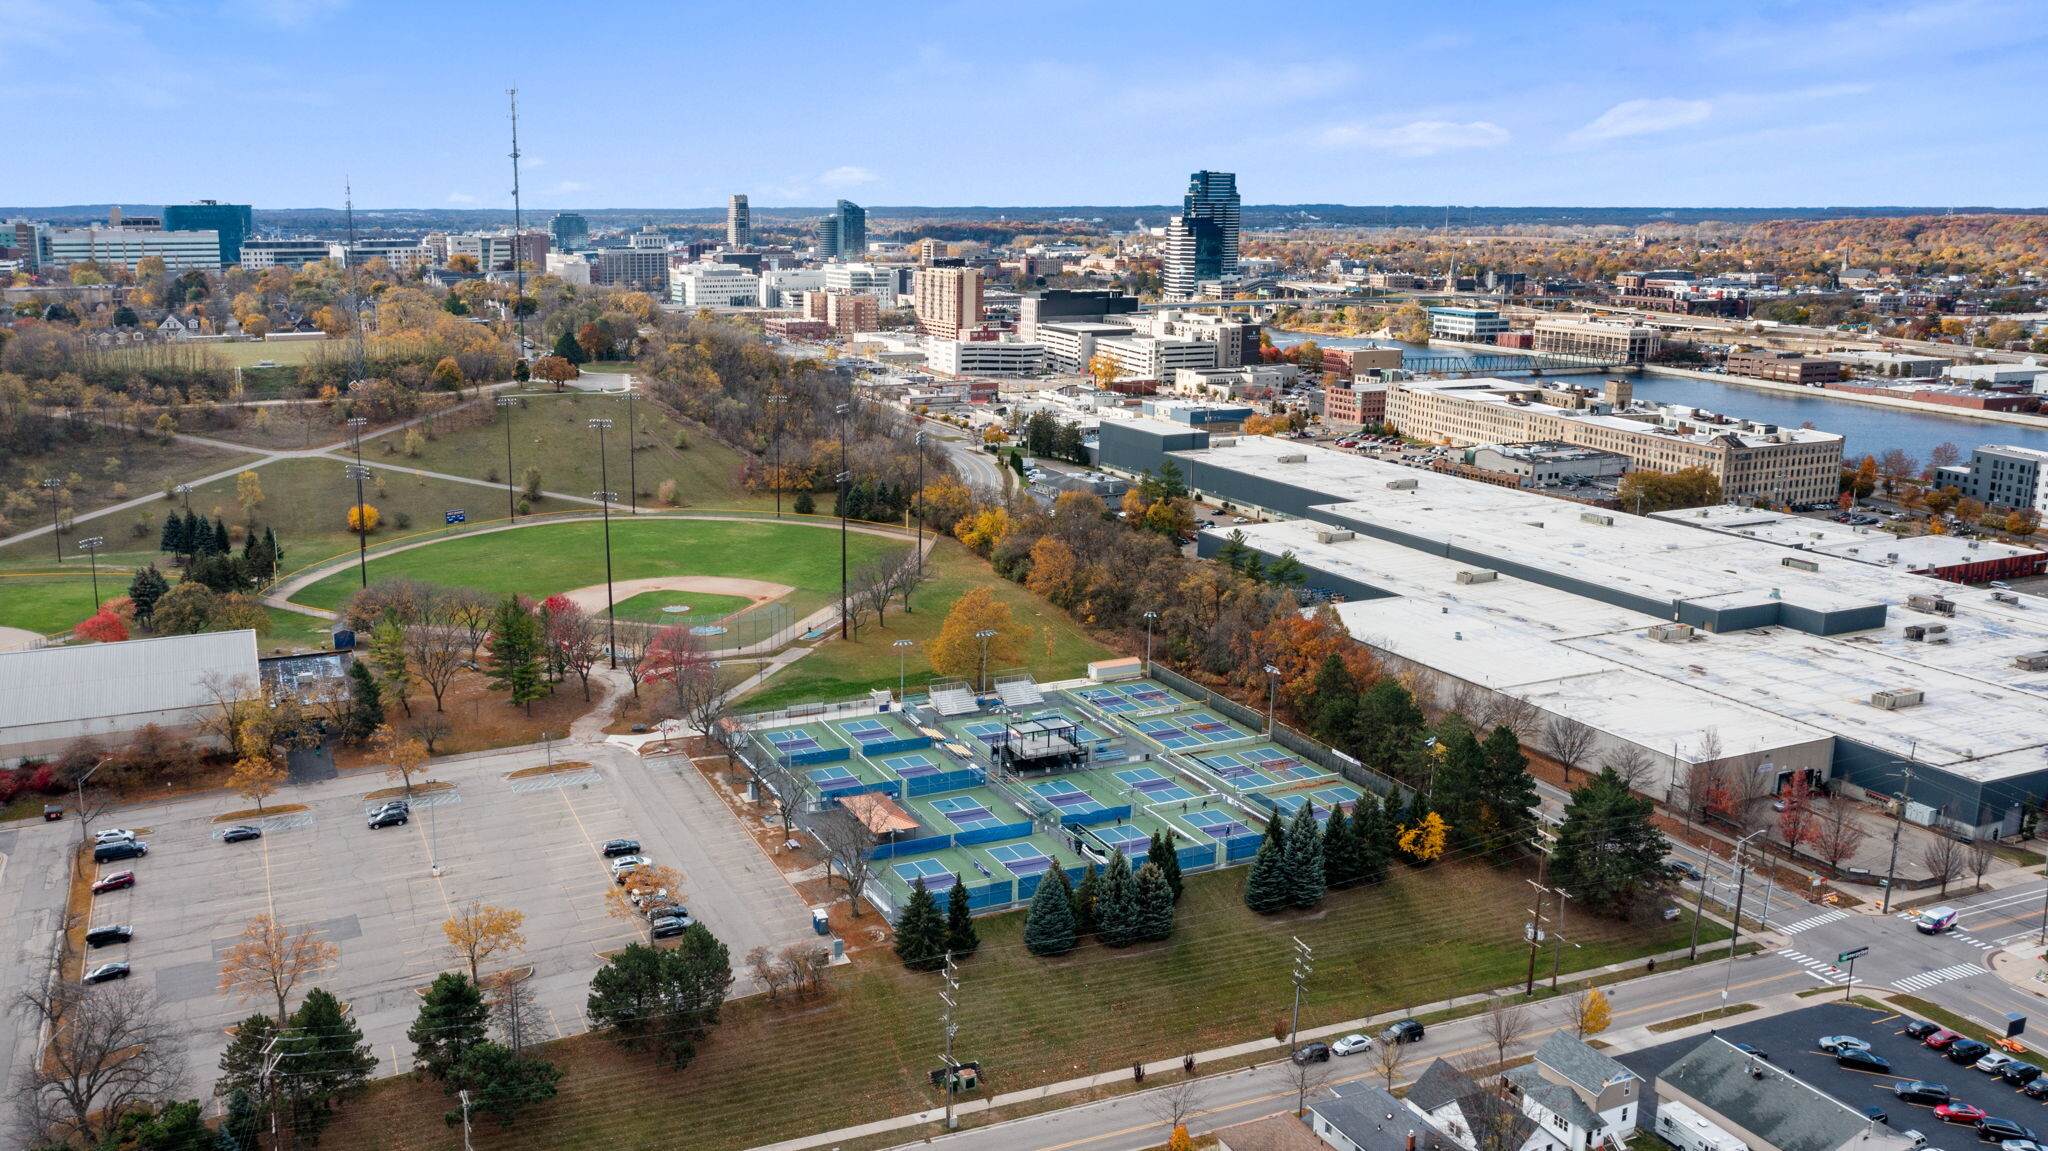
<point x="1327" y="758"/>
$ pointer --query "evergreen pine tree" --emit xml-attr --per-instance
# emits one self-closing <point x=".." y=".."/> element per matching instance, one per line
<point x="921" y="931"/>
<point x="190" y="531"/>
<point x="1162" y="856"/>
<point x="1609" y="855"/>
<point x="1506" y="791"/>
<point x="452" y="1019"/>
<point x="804" y="504"/>
<point x="1332" y="683"/>
<point x="961" y="937"/>
<point x="324" y="1062"/>
<point x="221" y="544"/>
<point x="1387" y="725"/>
<point x="1085" y="901"/>
<point x="1049" y="925"/>
<point x="1457" y="794"/>
<point x="148" y="586"/>
<point x="1303" y="859"/>
<point x="242" y="1064"/>
<point x="1373" y="833"/>
<point x="515" y="647"/>
<point x="366" y="702"/>
<point x="276" y="550"/>
<point x="567" y="348"/>
<point x="1154" y="897"/>
<point x="1265" y="884"/>
<point x="1116" y="904"/>
<point x="242" y="1125"/>
<point x="1340" y="850"/>
<point x="172" y="538"/>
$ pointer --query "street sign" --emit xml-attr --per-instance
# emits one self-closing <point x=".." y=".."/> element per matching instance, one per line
<point x="1852" y="953"/>
<point x="458" y="516"/>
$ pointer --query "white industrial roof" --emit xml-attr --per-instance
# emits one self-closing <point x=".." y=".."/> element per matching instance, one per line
<point x="1497" y="391"/>
<point x="100" y="680"/>
<point x="1913" y="553"/>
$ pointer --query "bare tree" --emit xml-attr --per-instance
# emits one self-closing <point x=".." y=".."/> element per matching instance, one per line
<point x="434" y="644"/>
<point x="1837" y="833"/>
<point x="1503" y="1025"/>
<point x="1388" y="1056"/>
<point x="873" y="586"/>
<point x="908" y="574"/>
<point x="1306" y="1077"/>
<point x="804" y="967"/>
<point x="849" y="846"/>
<point x="1517" y="715"/>
<point x="1174" y="1105"/>
<point x="1632" y="764"/>
<point x="108" y="1051"/>
<point x="470" y="611"/>
<point x="1567" y="740"/>
<point x="768" y="972"/>
<point x="513" y="1009"/>
<point x="1983" y="853"/>
<point x="1497" y="1124"/>
<point x="1943" y="855"/>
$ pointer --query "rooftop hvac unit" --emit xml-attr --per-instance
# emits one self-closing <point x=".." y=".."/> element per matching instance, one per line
<point x="1800" y="564"/>
<point x="1401" y="485"/>
<point x="1897" y="699"/>
<point x="1596" y="518"/>
<point x="1672" y="633"/>
<point x="1334" y="535"/>
<point x="2006" y="597"/>
<point x="1916" y="632"/>
<point x="1291" y="458"/>
<point x="1477" y="575"/>
<point x="2032" y="661"/>
<point x="1931" y="603"/>
<point x="1223" y="442"/>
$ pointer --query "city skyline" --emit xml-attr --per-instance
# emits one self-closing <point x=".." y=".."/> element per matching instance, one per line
<point x="1606" y="104"/>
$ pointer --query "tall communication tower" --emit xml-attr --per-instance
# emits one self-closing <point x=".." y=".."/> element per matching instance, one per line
<point x="355" y="296"/>
<point x="518" y="228"/>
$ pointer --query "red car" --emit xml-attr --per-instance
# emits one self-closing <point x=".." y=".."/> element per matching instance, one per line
<point x="1941" y="1039"/>
<point x="1958" y="1113"/>
<point x="114" y="882"/>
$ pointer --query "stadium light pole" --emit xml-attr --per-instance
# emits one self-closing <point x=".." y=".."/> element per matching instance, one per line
<point x="776" y="403"/>
<point x="52" y="485"/>
<point x="359" y="473"/>
<point x="1151" y="617"/>
<point x="604" y="501"/>
<point x="91" y="547"/>
<point x="505" y="404"/>
<point x="1272" y="690"/>
<point x="632" y="450"/>
<point x="845" y="485"/>
<point x="902" y="647"/>
<point x="917" y="504"/>
<point x="355" y="433"/>
<point x="985" y="635"/>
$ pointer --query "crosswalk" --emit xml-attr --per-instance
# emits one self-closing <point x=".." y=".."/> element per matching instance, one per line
<point x="1940" y="975"/>
<point x="1828" y="916"/>
<point x="1959" y="937"/>
<point x="1820" y="969"/>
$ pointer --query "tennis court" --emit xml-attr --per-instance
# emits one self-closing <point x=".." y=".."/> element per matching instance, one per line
<point x="789" y="740"/>
<point x="870" y="731"/>
<point x="1167" y="734"/>
<point x="1228" y="766"/>
<point x="1132" y="842"/>
<point x="1021" y="858"/>
<point x="1070" y="800"/>
<point x="935" y="876"/>
<point x="1139" y="696"/>
<point x="1325" y="798"/>
<point x="833" y="776"/>
<point x="1155" y="787"/>
<point x="1218" y="825"/>
<point x="1107" y="700"/>
<point x="912" y="766"/>
<point x="966" y="814"/>
<point x="1280" y="765"/>
<point x="988" y="731"/>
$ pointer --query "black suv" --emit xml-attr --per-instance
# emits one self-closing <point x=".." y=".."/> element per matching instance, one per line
<point x="1406" y="1031"/>
<point x="1966" y="1051"/>
<point x="118" y="850"/>
<point x="1312" y="1053"/>
<point x="2020" y="1073"/>
<point x="617" y="847"/>
<point x="241" y="832"/>
<point x="1922" y="1092"/>
<point x="1857" y="1059"/>
<point x="389" y="817"/>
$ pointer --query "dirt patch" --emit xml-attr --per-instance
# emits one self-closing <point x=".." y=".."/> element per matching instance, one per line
<point x="557" y="769"/>
<point x="757" y="591"/>
<point x="417" y="789"/>
<point x="259" y="813"/>
<point x="77" y="914"/>
<point x="478" y="719"/>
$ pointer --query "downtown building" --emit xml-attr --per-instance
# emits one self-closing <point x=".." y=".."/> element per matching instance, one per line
<point x="843" y="234"/>
<point x="124" y="245"/>
<point x="739" y="222"/>
<point x="947" y="301"/>
<point x="1201" y="242"/>
<point x="231" y="222"/>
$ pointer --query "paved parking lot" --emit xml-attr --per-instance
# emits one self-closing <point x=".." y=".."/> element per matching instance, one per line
<point x="381" y="896"/>
<point x="1789" y="1039"/>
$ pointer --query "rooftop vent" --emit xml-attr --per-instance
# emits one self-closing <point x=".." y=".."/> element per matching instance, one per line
<point x="1291" y="458"/>
<point x="1596" y="518"/>
<point x="1672" y="633"/>
<point x="2032" y="661"/>
<point x="1334" y="535"/>
<point x="1799" y="564"/>
<point x="1897" y="699"/>
<point x="1401" y="485"/>
<point x="1931" y="603"/>
<point x="2006" y="597"/>
<point x="1477" y="575"/>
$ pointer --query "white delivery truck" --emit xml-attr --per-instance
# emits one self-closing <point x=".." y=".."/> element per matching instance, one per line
<point x="1685" y="1129"/>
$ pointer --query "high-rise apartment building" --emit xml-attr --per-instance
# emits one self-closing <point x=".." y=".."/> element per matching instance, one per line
<point x="125" y="245"/>
<point x="739" y="222"/>
<point x="947" y="301"/>
<point x="844" y="233"/>
<point x="570" y="230"/>
<point x="1201" y="242"/>
<point x="231" y="222"/>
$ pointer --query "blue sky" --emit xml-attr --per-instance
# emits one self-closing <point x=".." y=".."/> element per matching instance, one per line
<point x="629" y="104"/>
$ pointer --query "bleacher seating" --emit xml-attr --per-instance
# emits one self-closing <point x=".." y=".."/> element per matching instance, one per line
<point x="1019" y="691"/>
<point x="953" y="699"/>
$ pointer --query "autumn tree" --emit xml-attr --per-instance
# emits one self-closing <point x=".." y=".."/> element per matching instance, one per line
<point x="1590" y="1012"/>
<point x="957" y="652"/>
<point x="256" y="778"/>
<point x="1646" y="490"/>
<point x="1797" y="822"/>
<point x="363" y="518"/>
<point x="555" y="370"/>
<point x="404" y="754"/>
<point x="677" y="659"/>
<point x="1943" y="856"/>
<point x="478" y="932"/>
<point x="102" y="627"/>
<point x="1425" y="841"/>
<point x="249" y="494"/>
<point x="268" y="959"/>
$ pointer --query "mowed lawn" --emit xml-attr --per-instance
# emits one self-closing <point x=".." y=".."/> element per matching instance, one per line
<point x="551" y="431"/>
<point x="54" y="603"/>
<point x="839" y="669"/>
<point x="775" y="1071"/>
<point x="548" y="558"/>
<point x="704" y="607"/>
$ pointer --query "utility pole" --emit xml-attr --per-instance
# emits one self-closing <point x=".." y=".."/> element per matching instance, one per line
<point x="1304" y="966"/>
<point x="518" y="229"/>
<point x="359" y="473"/>
<point x="1536" y="920"/>
<point x="952" y="1068"/>
<point x="1891" y="870"/>
<point x="1557" y="952"/>
<point x="1699" y="908"/>
<point x="505" y="406"/>
<point x="464" y="1096"/>
<point x="845" y="485"/>
<point x="918" y="509"/>
<point x="1735" y="931"/>
<point x="604" y="499"/>
<point x="355" y="296"/>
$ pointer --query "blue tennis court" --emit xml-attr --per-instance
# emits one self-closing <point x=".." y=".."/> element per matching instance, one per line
<point x="1130" y="840"/>
<point x="1149" y="695"/>
<point x="1155" y="787"/>
<point x="1167" y="734"/>
<point x="1228" y="765"/>
<point x="1218" y="824"/>
<point x="1069" y="799"/>
<point x="1212" y="728"/>
<point x="1281" y="765"/>
<point x="1107" y="699"/>
<point x="868" y="731"/>
<point x="986" y="730"/>
<point x="832" y="776"/>
<point x="936" y="878"/>
<point x="791" y="739"/>
<point x="1326" y="799"/>
<point x="1021" y="858"/>
<point x="911" y="766"/>
<point x="966" y="814"/>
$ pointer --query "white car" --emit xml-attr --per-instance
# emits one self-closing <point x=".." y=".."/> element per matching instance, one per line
<point x="625" y="863"/>
<point x="1836" y="1044"/>
<point x="1239" y="520"/>
<point x="1352" y="1044"/>
<point x="111" y="834"/>
<point x="1993" y="1063"/>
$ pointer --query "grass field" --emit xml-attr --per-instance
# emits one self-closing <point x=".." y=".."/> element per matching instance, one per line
<point x="294" y="352"/>
<point x="840" y="669"/>
<point x="141" y="465"/>
<point x="704" y="607"/>
<point x="552" y="432"/>
<point x="548" y="558"/>
<point x="1222" y="978"/>
<point x="55" y="603"/>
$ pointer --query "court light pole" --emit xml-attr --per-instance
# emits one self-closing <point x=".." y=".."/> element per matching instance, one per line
<point x="91" y="546"/>
<point x="985" y="635"/>
<point x="902" y="647"/>
<point x="356" y="424"/>
<point x="359" y="473"/>
<point x="917" y="506"/>
<point x="1151" y="617"/>
<point x="52" y="485"/>
<point x="632" y="450"/>
<point x="776" y="403"/>
<point x="505" y="406"/>
<point x="604" y="501"/>
<point x="845" y="483"/>
<point x="1272" y="690"/>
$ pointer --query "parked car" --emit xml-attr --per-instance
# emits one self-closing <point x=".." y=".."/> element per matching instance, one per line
<point x="626" y="863"/>
<point x="1352" y="1044"/>
<point x="111" y="834"/>
<point x="113" y="881"/>
<point x="390" y="817"/>
<point x="1941" y="1038"/>
<point x="1312" y="1053"/>
<point x="1406" y="1031"/>
<point x="2019" y="1145"/>
<point x="1922" y="1092"/>
<point x="667" y="928"/>
<point x="2020" y="1073"/>
<point x="1836" y="1044"/>
<point x="1956" y="1111"/>
<point x="240" y="832"/>
<point x="1876" y="1115"/>
<point x="617" y="847"/>
<point x="107" y="973"/>
<point x="118" y="850"/>
<point x="1919" y="1028"/>
<point x="1863" y="1059"/>
<point x="2002" y="1129"/>
<point x="1993" y="1063"/>
<point x="1685" y="867"/>
<point x="2036" y="1088"/>
<point x="105" y="936"/>
<point x="654" y="911"/>
<point x="1967" y="1051"/>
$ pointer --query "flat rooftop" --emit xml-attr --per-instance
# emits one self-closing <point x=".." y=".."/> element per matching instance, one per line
<point x="1499" y="391"/>
<point x="1825" y="536"/>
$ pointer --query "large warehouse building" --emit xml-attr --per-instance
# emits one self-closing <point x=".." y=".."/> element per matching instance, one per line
<point x="1675" y="644"/>
<point x="53" y="696"/>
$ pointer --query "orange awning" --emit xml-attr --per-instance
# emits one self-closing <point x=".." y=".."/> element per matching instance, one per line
<point x="878" y="812"/>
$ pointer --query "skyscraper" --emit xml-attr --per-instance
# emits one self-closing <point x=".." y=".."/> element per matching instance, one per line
<point x="739" y="224"/>
<point x="853" y="229"/>
<point x="825" y="232"/>
<point x="570" y="230"/>
<point x="947" y="301"/>
<point x="1201" y="242"/>
<point x="231" y="221"/>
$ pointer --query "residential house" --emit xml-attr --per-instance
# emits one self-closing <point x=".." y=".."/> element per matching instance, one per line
<point x="1363" y="1117"/>
<point x="1578" y="1095"/>
<point x="1475" y="1118"/>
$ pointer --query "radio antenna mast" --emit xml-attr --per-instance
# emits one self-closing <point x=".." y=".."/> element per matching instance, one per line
<point x="518" y="228"/>
<point x="355" y="297"/>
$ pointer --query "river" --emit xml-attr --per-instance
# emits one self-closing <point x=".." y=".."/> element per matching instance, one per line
<point x="1866" y="429"/>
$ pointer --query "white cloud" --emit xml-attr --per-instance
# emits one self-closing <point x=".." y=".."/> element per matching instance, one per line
<point x="1642" y="117"/>
<point x="526" y="161"/>
<point x="847" y="176"/>
<point x="461" y="198"/>
<point x="1416" y="138"/>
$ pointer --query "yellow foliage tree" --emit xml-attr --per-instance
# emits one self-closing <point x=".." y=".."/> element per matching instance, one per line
<point x="994" y="434"/>
<point x="249" y="494"/>
<point x="406" y="755"/>
<point x="1104" y="368"/>
<point x="478" y="932"/>
<point x="944" y="502"/>
<point x="956" y="651"/>
<point x="1425" y="841"/>
<point x="983" y="530"/>
<point x="270" y="960"/>
<point x="255" y="778"/>
<point x="363" y="518"/>
<point x="1054" y="573"/>
<point x="1591" y="1013"/>
<point x="1180" y="1141"/>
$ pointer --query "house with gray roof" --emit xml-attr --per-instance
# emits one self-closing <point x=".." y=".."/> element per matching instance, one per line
<point x="1364" y="1117"/>
<point x="1766" y="1109"/>
<point x="1577" y="1094"/>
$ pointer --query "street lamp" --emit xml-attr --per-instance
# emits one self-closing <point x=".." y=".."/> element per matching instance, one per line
<point x="81" y="795"/>
<point x="184" y="490"/>
<point x="1272" y="690"/>
<point x="845" y="479"/>
<point x="505" y="402"/>
<point x="52" y="485"/>
<point x="355" y="431"/>
<point x="902" y="647"/>
<point x="985" y="635"/>
<point x="604" y="499"/>
<point x="91" y="547"/>
<point x="359" y="473"/>
<point x="1150" y="618"/>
